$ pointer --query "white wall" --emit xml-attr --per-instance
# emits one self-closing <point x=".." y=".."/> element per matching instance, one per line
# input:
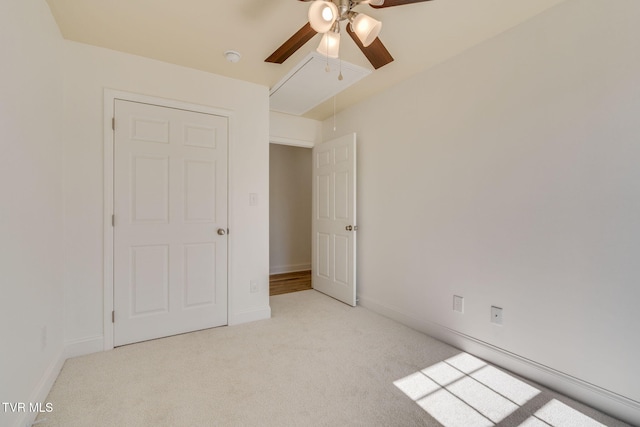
<point x="289" y="209"/>
<point x="510" y="175"/>
<point x="31" y="206"/>
<point x="88" y="71"/>
<point x="294" y="130"/>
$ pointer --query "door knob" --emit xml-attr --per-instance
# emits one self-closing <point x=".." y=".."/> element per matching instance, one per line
<point x="222" y="231"/>
<point x="349" y="228"/>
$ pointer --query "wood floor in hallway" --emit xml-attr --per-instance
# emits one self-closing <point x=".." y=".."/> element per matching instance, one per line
<point x="289" y="282"/>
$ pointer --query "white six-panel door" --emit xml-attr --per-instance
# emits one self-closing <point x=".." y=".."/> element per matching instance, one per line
<point x="170" y="233"/>
<point x="334" y="219"/>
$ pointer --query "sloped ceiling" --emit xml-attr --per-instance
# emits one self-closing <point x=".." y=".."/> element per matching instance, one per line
<point x="195" y="34"/>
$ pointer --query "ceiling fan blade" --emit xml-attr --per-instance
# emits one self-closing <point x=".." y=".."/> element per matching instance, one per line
<point x="389" y="3"/>
<point x="376" y="53"/>
<point x="294" y="43"/>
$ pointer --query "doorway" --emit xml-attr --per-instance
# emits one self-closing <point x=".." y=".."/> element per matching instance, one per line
<point x="290" y="203"/>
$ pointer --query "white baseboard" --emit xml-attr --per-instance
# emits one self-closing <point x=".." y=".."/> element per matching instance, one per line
<point x="41" y="391"/>
<point x="250" y="316"/>
<point x="602" y="399"/>
<point x="280" y="269"/>
<point x="83" y="346"/>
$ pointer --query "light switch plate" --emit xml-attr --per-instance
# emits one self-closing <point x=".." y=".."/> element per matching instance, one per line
<point x="458" y="304"/>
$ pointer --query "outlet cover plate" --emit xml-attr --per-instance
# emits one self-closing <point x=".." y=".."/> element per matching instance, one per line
<point x="496" y="315"/>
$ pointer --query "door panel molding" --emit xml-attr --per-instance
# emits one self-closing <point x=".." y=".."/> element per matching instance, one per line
<point x="109" y="99"/>
<point x="334" y="219"/>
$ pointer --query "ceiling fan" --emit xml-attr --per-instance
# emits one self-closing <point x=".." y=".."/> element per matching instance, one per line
<point x="325" y="17"/>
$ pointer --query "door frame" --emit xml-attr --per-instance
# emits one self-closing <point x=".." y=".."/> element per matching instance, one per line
<point x="278" y="140"/>
<point x="110" y="96"/>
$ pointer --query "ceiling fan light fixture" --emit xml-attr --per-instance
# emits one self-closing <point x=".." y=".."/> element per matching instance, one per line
<point x="330" y="44"/>
<point x="366" y="28"/>
<point x="322" y="15"/>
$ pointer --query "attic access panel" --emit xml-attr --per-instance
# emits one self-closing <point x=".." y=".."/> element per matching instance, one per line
<point x="309" y="84"/>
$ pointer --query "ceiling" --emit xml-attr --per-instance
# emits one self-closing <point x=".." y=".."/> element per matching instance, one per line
<point x="195" y="34"/>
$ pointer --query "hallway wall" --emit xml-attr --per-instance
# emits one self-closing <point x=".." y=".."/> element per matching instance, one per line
<point x="289" y="209"/>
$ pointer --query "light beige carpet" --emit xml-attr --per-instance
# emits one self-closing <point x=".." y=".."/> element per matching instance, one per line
<point x="316" y="362"/>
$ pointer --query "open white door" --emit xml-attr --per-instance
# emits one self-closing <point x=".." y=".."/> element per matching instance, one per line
<point x="334" y="219"/>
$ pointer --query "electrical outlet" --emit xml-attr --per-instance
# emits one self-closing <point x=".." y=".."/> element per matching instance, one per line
<point x="253" y="287"/>
<point x="458" y="304"/>
<point x="496" y="315"/>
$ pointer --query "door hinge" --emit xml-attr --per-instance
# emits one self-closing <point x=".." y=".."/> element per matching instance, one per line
<point x="113" y="317"/>
<point x="113" y="220"/>
<point x="113" y="123"/>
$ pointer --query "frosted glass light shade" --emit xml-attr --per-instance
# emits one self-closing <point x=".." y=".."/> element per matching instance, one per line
<point x="322" y="15"/>
<point x="366" y="28"/>
<point x="330" y="44"/>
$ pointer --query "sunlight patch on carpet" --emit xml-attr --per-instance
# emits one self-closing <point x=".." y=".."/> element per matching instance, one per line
<point x="464" y="391"/>
<point x="558" y="414"/>
<point x="451" y="411"/>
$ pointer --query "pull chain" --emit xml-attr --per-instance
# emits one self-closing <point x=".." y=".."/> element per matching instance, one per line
<point x="334" y="113"/>
<point x="327" y="69"/>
